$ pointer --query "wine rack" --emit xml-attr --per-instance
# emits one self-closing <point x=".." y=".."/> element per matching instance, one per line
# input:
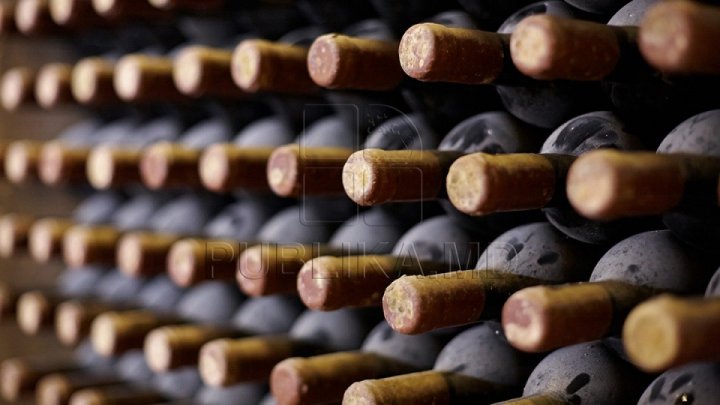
<point x="302" y="202"/>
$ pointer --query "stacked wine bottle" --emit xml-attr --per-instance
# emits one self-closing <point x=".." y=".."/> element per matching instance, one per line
<point x="387" y="202"/>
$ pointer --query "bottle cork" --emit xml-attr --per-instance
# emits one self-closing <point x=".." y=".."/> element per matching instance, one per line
<point x="375" y="176"/>
<point x="200" y="71"/>
<point x="14" y="230"/>
<point x="113" y="333"/>
<point x="56" y="388"/>
<point x="59" y="164"/>
<point x="74" y="317"/>
<point x="17" y="88"/>
<point x="295" y="170"/>
<point x="21" y="161"/>
<point x="436" y="53"/>
<point x="92" y="82"/>
<point x="109" y="166"/>
<point x="32" y="17"/>
<point x="146" y="79"/>
<point x="45" y="238"/>
<point x="225" y="167"/>
<point x="84" y="245"/>
<point x="52" y="85"/>
<point x="191" y="261"/>
<point x="337" y="61"/>
<point x="19" y="375"/>
<point x="265" y="66"/>
<point x="144" y="253"/>
<point x="481" y="184"/>
<point x="165" y="165"/>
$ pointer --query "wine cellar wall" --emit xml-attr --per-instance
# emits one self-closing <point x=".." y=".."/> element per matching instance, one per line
<point x="306" y="202"/>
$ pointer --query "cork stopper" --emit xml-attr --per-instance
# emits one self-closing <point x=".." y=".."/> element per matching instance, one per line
<point x="21" y="161"/>
<point x="83" y="245"/>
<point x="144" y="253"/>
<point x="109" y="166"/>
<point x="264" y="66"/>
<point x="52" y="85"/>
<point x="171" y="347"/>
<point x="295" y="170"/>
<point x="666" y="332"/>
<point x="328" y="283"/>
<point x="146" y="79"/>
<point x="272" y="269"/>
<point x="339" y="61"/>
<point x="605" y="184"/>
<point x="226" y="362"/>
<point x="35" y="310"/>
<point x="14" y="230"/>
<point x="202" y="71"/>
<point x="324" y="378"/>
<point x="113" y="333"/>
<point x="32" y="17"/>
<point x="166" y="164"/>
<point x="435" y="53"/>
<point x="225" y="167"/>
<point x="191" y="261"/>
<point x="678" y="37"/>
<point x="414" y="305"/>
<point x="60" y="164"/>
<point x="426" y="387"/>
<point x="92" y="82"/>
<point x="539" y="319"/>
<point x="481" y="184"/>
<point x="375" y="176"/>
<point x="417" y="304"/>
<point x="546" y="47"/>
<point x="17" y="88"/>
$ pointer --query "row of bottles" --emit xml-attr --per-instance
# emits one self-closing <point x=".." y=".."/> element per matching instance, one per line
<point x="385" y="202"/>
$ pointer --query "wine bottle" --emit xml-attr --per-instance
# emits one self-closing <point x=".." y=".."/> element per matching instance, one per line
<point x="435" y="245"/>
<point x="687" y="326"/>
<point x="58" y="387"/>
<point x="46" y="234"/>
<point x="144" y="252"/>
<point x="544" y="318"/>
<point x="417" y="304"/>
<point x="36" y="309"/>
<point x="691" y="384"/>
<point x="486" y="57"/>
<point x="115" y="332"/>
<point x="476" y="365"/>
<point x="74" y="317"/>
<point x="639" y="93"/>
<point x="226" y="362"/>
<point x="680" y="181"/>
<point x="175" y="164"/>
<point x="96" y="243"/>
<point x="324" y="378"/>
<point x="174" y="346"/>
<point x="479" y="184"/>
<point x="115" y="163"/>
<point x="227" y="235"/>
<point x="311" y="167"/>
<point x="272" y="267"/>
<point x="373" y="177"/>
<point x="21" y="374"/>
<point x="593" y="372"/>
<point x="159" y="388"/>
<point x="673" y="36"/>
